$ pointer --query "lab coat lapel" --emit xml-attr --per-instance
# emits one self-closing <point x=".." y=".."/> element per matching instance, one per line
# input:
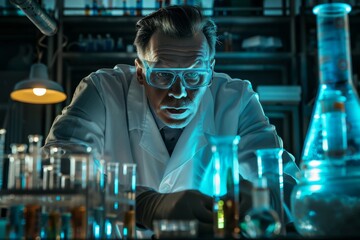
<point x="151" y="140"/>
<point x="140" y="118"/>
<point x="193" y="139"/>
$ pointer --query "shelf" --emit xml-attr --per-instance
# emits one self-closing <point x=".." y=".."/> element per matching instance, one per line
<point x="98" y="55"/>
<point x="250" y="20"/>
<point x="222" y="55"/>
<point x="217" y="19"/>
<point x="101" y="19"/>
<point x="254" y="55"/>
<point x="25" y="197"/>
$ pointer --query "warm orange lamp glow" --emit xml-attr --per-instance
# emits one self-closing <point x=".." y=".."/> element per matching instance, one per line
<point x="38" y="89"/>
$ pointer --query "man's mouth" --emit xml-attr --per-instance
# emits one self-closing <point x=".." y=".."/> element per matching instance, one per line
<point x="176" y="111"/>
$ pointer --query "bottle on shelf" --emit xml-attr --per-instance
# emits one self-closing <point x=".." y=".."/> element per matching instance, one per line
<point x="139" y="5"/>
<point x="125" y="10"/>
<point x="159" y="4"/>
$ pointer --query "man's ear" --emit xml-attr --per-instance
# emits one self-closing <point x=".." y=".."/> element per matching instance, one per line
<point x="140" y="76"/>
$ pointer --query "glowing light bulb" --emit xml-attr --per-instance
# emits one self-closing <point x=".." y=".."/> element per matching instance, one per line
<point x="39" y="91"/>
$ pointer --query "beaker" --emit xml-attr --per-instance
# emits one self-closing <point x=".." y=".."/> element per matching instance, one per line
<point x="270" y="166"/>
<point x="225" y="185"/>
<point x="335" y="74"/>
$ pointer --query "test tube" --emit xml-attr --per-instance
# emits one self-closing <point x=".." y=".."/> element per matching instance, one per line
<point x="128" y="190"/>
<point x="35" y="155"/>
<point x="78" y="170"/>
<point x="2" y="144"/>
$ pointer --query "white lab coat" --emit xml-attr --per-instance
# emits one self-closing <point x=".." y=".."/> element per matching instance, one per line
<point x="110" y="113"/>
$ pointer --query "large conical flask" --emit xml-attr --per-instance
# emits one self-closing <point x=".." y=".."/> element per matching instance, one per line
<point x="335" y="75"/>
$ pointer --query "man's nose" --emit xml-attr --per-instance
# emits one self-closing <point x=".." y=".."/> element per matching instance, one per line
<point x="177" y="90"/>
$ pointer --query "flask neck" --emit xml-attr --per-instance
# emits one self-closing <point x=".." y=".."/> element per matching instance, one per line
<point x="333" y="44"/>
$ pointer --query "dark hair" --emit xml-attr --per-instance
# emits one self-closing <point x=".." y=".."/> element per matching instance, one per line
<point x="175" y="21"/>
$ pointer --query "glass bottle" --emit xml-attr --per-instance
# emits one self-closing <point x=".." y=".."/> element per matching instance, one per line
<point x="225" y="185"/>
<point x="270" y="165"/>
<point x="112" y="200"/>
<point x="15" y="226"/>
<point x="35" y="142"/>
<point x="335" y="74"/>
<point x="2" y="156"/>
<point x="261" y="221"/>
<point x="52" y="172"/>
<point x="127" y="180"/>
<point x="18" y="174"/>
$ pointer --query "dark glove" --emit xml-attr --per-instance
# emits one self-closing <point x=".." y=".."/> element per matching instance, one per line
<point x="183" y="205"/>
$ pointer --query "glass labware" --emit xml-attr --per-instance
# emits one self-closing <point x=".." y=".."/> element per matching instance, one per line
<point x="335" y="74"/>
<point x="261" y="221"/>
<point x="2" y="156"/>
<point x="112" y="200"/>
<point x="270" y="166"/>
<point x="52" y="171"/>
<point x="127" y="191"/>
<point x="225" y="185"/>
<point x="35" y="142"/>
<point x="19" y="176"/>
<point x="327" y="199"/>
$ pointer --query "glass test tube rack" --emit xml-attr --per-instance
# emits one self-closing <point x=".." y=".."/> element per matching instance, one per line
<point x="66" y="201"/>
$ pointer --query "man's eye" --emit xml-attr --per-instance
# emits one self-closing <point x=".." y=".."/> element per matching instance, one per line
<point x="164" y="75"/>
<point x="192" y="75"/>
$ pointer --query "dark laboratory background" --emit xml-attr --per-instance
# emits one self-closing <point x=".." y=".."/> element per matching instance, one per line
<point x="272" y="43"/>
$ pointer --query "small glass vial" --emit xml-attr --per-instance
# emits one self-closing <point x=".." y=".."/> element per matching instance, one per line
<point x="2" y="156"/>
<point x="35" y="142"/>
<point x="52" y="172"/>
<point x="15" y="226"/>
<point x="261" y="221"/>
<point x="19" y="176"/>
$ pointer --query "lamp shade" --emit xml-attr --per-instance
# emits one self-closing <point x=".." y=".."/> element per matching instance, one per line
<point x="38" y="89"/>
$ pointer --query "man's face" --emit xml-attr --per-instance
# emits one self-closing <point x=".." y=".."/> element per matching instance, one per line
<point x="178" y="105"/>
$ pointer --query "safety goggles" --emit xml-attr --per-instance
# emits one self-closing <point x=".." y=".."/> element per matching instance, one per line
<point x="191" y="77"/>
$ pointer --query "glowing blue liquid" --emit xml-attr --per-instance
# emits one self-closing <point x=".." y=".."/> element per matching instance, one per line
<point x="335" y="74"/>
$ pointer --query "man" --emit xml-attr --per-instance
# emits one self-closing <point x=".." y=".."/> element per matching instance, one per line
<point x="157" y="115"/>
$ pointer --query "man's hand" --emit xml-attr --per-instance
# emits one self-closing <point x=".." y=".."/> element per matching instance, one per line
<point x="188" y="204"/>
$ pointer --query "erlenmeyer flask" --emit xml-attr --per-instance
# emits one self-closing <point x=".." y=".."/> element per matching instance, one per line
<point x="335" y="75"/>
